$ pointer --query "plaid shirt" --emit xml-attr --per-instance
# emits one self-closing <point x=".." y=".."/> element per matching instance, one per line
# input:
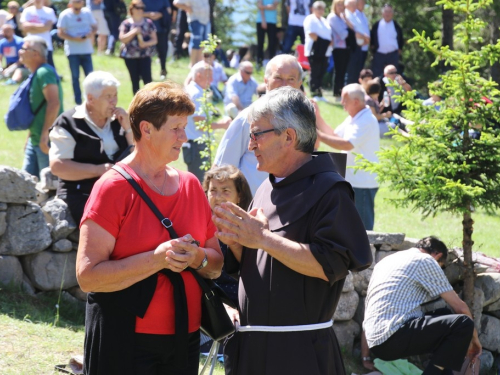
<point x="399" y="284"/>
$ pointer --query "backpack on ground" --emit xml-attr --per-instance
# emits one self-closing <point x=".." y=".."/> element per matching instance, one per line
<point x="19" y="116"/>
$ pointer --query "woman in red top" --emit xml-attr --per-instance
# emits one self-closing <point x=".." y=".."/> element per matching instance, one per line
<point x="131" y="316"/>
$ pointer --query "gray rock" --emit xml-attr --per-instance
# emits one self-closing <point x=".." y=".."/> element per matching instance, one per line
<point x="361" y="280"/>
<point x="41" y="197"/>
<point x="57" y="213"/>
<point x="3" y="206"/>
<point x="45" y="270"/>
<point x="359" y="315"/>
<point x="378" y="238"/>
<point x="16" y="186"/>
<point x="26" y="232"/>
<point x="74" y="245"/>
<point x="381" y="254"/>
<point x="27" y="287"/>
<point x="454" y="272"/>
<point x="47" y="180"/>
<point x="408" y="243"/>
<point x="347" y="306"/>
<point x="487" y="360"/>
<point x="488" y="333"/>
<point x="492" y="307"/>
<point x="75" y="236"/>
<point x="385" y="247"/>
<point x="78" y="293"/>
<point x="495" y="313"/>
<point x="348" y="284"/>
<point x="68" y="298"/>
<point x="62" y="246"/>
<point x="490" y="284"/>
<point x="434" y="305"/>
<point x="3" y="222"/>
<point x="11" y="271"/>
<point x="346" y="332"/>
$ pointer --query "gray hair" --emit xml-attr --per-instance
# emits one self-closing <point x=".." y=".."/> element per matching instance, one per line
<point x="355" y="91"/>
<point x="319" y="4"/>
<point x="38" y="43"/>
<point x="348" y="2"/>
<point x="97" y="81"/>
<point x="283" y="59"/>
<point x="284" y="108"/>
<point x="200" y="67"/>
<point x="245" y="64"/>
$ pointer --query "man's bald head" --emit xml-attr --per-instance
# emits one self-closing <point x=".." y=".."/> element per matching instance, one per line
<point x="283" y="70"/>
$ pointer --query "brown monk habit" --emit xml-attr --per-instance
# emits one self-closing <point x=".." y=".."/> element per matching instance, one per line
<point x="314" y="205"/>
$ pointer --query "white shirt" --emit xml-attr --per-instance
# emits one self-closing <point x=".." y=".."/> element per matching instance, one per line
<point x="62" y="143"/>
<point x="321" y="28"/>
<point x="34" y="15"/>
<point x="365" y="26"/>
<point x="399" y="284"/>
<point x="195" y="92"/>
<point x="363" y="133"/>
<point x="387" y="37"/>
<point x="299" y="9"/>
<point x="233" y="150"/>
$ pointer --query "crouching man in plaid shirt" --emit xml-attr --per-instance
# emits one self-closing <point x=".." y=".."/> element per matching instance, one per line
<point x="395" y="325"/>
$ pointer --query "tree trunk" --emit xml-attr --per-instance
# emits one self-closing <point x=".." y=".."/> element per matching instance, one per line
<point x="467" y="225"/>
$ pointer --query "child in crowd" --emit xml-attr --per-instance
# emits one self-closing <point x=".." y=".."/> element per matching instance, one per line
<point x="227" y="184"/>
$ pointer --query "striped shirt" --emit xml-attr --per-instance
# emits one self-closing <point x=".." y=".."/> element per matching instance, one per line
<point x="399" y="284"/>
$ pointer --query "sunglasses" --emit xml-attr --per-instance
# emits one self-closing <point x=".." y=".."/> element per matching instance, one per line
<point x="27" y="49"/>
<point x="139" y="8"/>
<point x="255" y="135"/>
<point x="249" y="73"/>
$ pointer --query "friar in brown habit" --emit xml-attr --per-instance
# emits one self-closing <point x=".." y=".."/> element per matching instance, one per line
<point x="293" y="249"/>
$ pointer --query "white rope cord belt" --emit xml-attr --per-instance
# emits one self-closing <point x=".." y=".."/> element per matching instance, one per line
<point x="304" y="327"/>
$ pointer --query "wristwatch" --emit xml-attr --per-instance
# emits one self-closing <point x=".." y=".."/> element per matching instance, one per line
<point x="366" y="359"/>
<point x="204" y="262"/>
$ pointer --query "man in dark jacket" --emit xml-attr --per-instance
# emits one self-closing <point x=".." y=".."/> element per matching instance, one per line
<point x="294" y="247"/>
<point x="386" y="41"/>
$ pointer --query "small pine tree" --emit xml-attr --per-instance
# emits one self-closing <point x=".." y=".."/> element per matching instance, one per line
<point x="451" y="160"/>
<point x="207" y="110"/>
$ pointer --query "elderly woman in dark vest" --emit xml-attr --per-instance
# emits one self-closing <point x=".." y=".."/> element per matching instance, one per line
<point x="87" y="140"/>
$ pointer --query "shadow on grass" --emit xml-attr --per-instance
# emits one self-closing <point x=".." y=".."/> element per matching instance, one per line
<point x="41" y="308"/>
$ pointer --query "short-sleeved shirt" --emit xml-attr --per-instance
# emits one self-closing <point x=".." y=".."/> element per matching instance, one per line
<point x="318" y="26"/>
<point x="10" y="50"/>
<point x="244" y="91"/>
<point x="195" y="92"/>
<point x="93" y="6"/>
<point x="233" y="150"/>
<point x="62" y="143"/>
<point x="299" y="9"/>
<point x="34" y="15"/>
<point x="136" y="230"/>
<point x="77" y="25"/>
<point x="200" y="11"/>
<point x="131" y="50"/>
<point x="362" y="132"/>
<point x="398" y="286"/>
<point x="271" y="16"/>
<point x="45" y="75"/>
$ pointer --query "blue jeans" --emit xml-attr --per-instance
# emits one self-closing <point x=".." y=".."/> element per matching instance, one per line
<point x="75" y="61"/>
<point x="199" y="33"/>
<point x="364" y="199"/>
<point x="34" y="159"/>
<point x="292" y="32"/>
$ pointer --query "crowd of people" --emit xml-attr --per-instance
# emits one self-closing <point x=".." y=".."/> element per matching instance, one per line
<point x="259" y="221"/>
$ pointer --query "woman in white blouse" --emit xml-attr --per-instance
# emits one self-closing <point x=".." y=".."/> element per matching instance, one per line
<point x="318" y="46"/>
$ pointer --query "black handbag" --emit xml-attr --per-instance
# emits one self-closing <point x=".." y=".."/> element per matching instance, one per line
<point x="215" y="322"/>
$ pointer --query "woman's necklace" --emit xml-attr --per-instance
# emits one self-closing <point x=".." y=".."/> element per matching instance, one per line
<point x="162" y="187"/>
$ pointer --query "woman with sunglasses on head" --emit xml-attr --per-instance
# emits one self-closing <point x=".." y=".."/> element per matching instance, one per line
<point x="138" y="35"/>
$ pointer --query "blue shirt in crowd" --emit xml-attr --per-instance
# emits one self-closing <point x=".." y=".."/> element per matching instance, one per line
<point x="158" y="6"/>
<point x="271" y="16"/>
<point x="10" y="50"/>
<point x="244" y="91"/>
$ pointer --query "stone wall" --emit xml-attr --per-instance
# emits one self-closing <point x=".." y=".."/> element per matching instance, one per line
<point x="38" y="243"/>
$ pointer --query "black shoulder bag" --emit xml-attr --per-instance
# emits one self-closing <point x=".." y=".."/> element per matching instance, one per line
<point x="215" y="322"/>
